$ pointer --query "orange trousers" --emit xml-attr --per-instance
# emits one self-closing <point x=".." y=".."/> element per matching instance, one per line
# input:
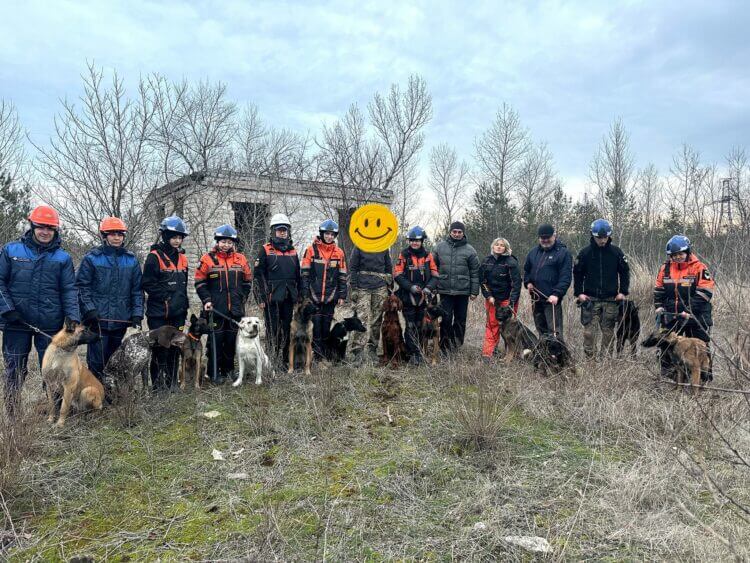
<point x="492" y="327"/>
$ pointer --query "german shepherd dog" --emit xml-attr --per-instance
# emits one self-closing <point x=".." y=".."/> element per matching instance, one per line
<point x="301" y="333"/>
<point x="628" y="326"/>
<point x="192" y="353"/>
<point x="516" y="335"/>
<point x="430" y="330"/>
<point x="338" y="338"/>
<point x="394" y="348"/>
<point x="65" y="374"/>
<point x="689" y="356"/>
<point x="551" y="355"/>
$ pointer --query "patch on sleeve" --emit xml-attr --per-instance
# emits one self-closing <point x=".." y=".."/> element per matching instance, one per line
<point x="706" y="275"/>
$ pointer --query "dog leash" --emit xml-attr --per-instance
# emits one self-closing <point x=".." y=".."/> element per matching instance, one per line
<point x="226" y="317"/>
<point x="37" y="329"/>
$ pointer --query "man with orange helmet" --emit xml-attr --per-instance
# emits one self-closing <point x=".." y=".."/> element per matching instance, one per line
<point x="109" y="293"/>
<point x="37" y="293"/>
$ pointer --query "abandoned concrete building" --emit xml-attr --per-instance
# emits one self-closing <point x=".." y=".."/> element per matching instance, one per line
<point x="247" y="202"/>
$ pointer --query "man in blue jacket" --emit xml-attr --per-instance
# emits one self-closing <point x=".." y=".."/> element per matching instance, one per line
<point x="547" y="274"/>
<point x="110" y="295"/>
<point x="37" y="292"/>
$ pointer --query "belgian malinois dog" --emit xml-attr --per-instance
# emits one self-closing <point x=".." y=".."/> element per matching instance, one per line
<point x="192" y="353"/>
<point x="301" y="334"/>
<point x="517" y="336"/>
<point x="65" y="374"/>
<point x="688" y="355"/>
<point x="430" y="329"/>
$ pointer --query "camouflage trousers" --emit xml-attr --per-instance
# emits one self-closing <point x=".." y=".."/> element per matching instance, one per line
<point x="605" y="315"/>
<point x="368" y="304"/>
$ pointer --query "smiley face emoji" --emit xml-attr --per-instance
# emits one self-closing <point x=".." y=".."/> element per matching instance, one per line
<point x="373" y="228"/>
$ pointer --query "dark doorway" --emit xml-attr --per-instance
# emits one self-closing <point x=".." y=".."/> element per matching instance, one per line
<point x="251" y="220"/>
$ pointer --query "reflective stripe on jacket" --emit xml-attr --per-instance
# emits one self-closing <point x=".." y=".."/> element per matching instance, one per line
<point x="224" y="279"/>
<point x="324" y="272"/>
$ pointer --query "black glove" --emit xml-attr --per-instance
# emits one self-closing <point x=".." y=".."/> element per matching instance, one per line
<point x="136" y="321"/>
<point x="90" y="317"/>
<point x="415" y="290"/>
<point x="12" y="316"/>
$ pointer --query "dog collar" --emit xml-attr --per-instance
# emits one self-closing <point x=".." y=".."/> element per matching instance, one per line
<point x="190" y="335"/>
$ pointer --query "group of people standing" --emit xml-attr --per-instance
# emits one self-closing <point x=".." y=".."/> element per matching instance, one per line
<point x="39" y="288"/>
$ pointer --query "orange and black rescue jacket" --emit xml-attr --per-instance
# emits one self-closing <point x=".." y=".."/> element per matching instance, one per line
<point x="165" y="278"/>
<point x="324" y="273"/>
<point x="277" y="274"/>
<point x="414" y="267"/>
<point x="686" y="286"/>
<point x="224" y="279"/>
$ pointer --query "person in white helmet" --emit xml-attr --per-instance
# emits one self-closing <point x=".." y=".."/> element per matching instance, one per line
<point x="277" y="288"/>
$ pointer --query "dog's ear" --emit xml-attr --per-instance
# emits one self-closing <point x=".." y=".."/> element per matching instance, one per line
<point x="70" y="324"/>
<point x="178" y="339"/>
<point x="193" y="318"/>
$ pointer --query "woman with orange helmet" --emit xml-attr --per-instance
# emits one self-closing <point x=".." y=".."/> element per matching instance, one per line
<point x="37" y="293"/>
<point x="110" y="295"/>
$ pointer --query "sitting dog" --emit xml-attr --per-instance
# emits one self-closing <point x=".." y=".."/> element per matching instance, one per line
<point x="394" y="347"/>
<point x="628" y="326"/>
<point x="192" y="352"/>
<point x="338" y="338"/>
<point x="301" y="333"/>
<point x="250" y="354"/>
<point x="550" y="355"/>
<point x="516" y="335"/>
<point x="65" y="374"/>
<point x="688" y="356"/>
<point x="132" y="357"/>
<point x="430" y="331"/>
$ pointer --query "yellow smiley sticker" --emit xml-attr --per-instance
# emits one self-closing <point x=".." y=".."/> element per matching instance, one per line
<point x="373" y="228"/>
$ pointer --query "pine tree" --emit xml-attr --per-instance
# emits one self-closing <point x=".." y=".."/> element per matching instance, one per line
<point x="14" y="208"/>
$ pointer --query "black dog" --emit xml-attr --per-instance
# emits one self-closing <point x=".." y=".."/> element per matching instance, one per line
<point x="551" y="355"/>
<point x="628" y="326"/>
<point x="430" y="329"/>
<point x="517" y="336"/>
<point x="338" y="338"/>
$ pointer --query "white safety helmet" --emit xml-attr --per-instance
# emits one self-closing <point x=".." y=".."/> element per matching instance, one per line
<point x="280" y="220"/>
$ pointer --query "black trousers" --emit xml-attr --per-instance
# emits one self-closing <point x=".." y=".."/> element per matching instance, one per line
<point x="225" y="334"/>
<point x="322" y="328"/>
<point x="453" y="327"/>
<point x="547" y="321"/>
<point x="164" y="361"/>
<point x="16" y="349"/>
<point x="278" y="316"/>
<point x="99" y="353"/>
<point x="413" y="314"/>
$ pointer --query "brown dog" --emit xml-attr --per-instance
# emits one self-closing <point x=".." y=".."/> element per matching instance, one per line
<point x="394" y="348"/>
<point x="65" y="374"/>
<point x="430" y="332"/>
<point x="516" y="335"/>
<point x="301" y="334"/>
<point x="192" y="353"/>
<point x="688" y="355"/>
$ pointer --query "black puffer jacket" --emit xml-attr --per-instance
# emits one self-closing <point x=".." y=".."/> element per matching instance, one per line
<point x="601" y="273"/>
<point x="458" y="265"/>
<point x="549" y="269"/>
<point x="500" y="277"/>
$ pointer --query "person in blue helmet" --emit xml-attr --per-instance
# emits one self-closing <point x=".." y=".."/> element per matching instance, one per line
<point x="37" y="293"/>
<point x="110" y="294"/>
<point x="165" y="277"/>
<point x="601" y="279"/>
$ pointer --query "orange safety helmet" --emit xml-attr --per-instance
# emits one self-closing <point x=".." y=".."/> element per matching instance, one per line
<point x="44" y="215"/>
<point x="110" y="224"/>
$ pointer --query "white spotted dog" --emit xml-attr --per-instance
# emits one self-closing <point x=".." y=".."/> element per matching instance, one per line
<point x="250" y="353"/>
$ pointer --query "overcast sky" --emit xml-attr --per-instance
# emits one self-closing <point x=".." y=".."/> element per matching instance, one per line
<point x="675" y="71"/>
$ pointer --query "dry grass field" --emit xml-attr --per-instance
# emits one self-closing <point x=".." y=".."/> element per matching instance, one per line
<point x="412" y="464"/>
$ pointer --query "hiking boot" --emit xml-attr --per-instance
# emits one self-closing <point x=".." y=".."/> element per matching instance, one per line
<point x="415" y="361"/>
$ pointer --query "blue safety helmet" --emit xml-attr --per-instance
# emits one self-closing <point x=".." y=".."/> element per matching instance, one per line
<point x="678" y="243"/>
<point x="328" y="226"/>
<point x="225" y="231"/>
<point x="416" y="233"/>
<point x="601" y="228"/>
<point x="173" y="224"/>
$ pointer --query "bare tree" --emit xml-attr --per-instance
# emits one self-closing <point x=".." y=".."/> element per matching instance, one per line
<point x="98" y="162"/>
<point x="193" y="126"/>
<point x="649" y="187"/>
<point x="536" y="180"/>
<point x="12" y="153"/>
<point x="687" y="185"/>
<point x="738" y="168"/>
<point x="449" y="180"/>
<point x="500" y="150"/>
<point x="612" y="172"/>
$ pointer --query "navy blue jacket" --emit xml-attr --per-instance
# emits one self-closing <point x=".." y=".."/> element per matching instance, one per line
<point x="551" y="271"/>
<point x="38" y="282"/>
<point x="109" y="282"/>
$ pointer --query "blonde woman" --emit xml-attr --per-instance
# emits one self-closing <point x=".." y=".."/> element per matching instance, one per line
<point x="500" y="281"/>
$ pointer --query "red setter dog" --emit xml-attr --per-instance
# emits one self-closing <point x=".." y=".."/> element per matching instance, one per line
<point x="394" y="349"/>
